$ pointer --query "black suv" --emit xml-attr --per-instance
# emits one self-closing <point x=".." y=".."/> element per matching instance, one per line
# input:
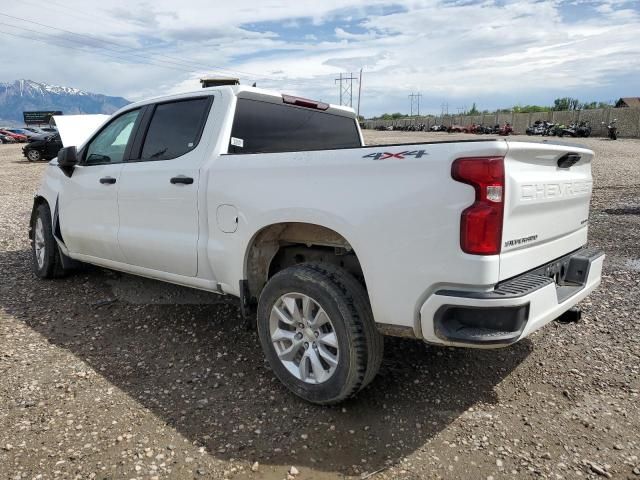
<point x="44" y="149"/>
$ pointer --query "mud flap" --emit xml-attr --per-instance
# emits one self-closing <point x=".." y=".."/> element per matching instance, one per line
<point x="248" y="306"/>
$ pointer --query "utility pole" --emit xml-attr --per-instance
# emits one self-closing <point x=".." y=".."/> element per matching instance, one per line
<point x="346" y="89"/>
<point x="415" y="98"/>
<point x="444" y="109"/>
<point x="359" y="93"/>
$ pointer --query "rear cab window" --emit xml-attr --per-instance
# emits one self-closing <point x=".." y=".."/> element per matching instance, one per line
<point x="265" y="127"/>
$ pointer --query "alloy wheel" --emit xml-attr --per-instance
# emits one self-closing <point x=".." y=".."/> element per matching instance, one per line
<point x="304" y="338"/>
<point x="38" y="243"/>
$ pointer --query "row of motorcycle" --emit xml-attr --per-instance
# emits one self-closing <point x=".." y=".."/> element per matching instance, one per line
<point x="575" y="129"/>
<point x="505" y="129"/>
<point x="544" y="128"/>
<point x="539" y="127"/>
<point x="414" y="127"/>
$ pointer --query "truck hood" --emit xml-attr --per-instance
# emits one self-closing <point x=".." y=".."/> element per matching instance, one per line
<point x="76" y="129"/>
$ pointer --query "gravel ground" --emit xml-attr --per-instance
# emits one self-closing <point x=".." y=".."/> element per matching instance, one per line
<point x="104" y="375"/>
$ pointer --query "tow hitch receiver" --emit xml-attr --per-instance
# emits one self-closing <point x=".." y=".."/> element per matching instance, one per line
<point x="573" y="315"/>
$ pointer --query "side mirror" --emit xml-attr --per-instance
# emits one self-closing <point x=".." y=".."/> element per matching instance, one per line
<point x="67" y="159"/>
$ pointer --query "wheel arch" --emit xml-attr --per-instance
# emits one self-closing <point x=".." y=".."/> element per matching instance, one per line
<point x="288" y="243"/>
<point x="37" y="201"/>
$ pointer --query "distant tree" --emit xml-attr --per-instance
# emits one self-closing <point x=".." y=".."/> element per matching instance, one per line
<point x="390" y="116"/>
<point x="566" y="103"/>
<point x="530" y="109"/>
<point x="594" y="105"/>
<point x="474" y="110"/>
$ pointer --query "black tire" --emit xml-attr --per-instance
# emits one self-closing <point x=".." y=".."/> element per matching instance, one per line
<point x="34" y="155"/>
<point x="51" y="265"/>
<point x="347" y="304"/>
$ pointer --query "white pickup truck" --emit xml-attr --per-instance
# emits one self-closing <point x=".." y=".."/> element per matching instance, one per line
<point x="328" y="243"/>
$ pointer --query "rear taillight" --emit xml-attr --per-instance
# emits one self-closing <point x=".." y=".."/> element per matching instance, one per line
<point x="481" y="223"/>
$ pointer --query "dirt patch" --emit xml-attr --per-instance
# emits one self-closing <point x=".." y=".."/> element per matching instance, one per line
<point x="104" y="375"/>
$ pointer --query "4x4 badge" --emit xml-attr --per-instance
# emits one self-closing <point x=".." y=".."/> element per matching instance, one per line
<point x="397" y="155"/>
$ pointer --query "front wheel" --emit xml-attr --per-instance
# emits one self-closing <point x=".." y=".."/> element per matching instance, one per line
<point x="46" y="256"/>
<point x="34" y="155"/>
<point x="317" y="332"/>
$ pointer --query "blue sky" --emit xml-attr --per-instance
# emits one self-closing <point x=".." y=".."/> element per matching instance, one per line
<point x="494" y="53"/>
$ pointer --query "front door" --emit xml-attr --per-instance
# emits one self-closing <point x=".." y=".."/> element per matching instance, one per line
<point x="158" y="194"/>
<point x="88" y="201"/>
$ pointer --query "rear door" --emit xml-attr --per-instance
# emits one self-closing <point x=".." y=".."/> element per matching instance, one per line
<point x="158" y="194"/>
<point x="548" y="190"/>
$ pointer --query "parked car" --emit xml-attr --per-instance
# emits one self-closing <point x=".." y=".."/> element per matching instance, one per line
<point x="31" y="136"/>
<point x="37" y="130"/>
<point x="16" y="136"/>
<point x="6" y="139"/>
<point x="328" y="243"/>
<point x="43" y="149"/>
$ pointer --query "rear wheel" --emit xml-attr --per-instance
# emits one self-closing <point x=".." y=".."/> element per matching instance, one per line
<point x="317" y="331"/>
<point x="46" y="256"/>
<point x="34" y="155"/>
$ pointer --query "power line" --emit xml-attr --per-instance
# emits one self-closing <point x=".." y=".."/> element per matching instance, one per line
<point x="82" y="15"/>
<point x="131" y="51"/>
<point x="49" y="41"/>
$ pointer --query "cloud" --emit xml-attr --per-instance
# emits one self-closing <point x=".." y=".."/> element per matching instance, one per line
<point x="494" y="53"/>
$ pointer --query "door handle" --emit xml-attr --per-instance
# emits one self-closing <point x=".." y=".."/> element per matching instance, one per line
<point x="107" y="180"/>
<point x="181" y="179"/>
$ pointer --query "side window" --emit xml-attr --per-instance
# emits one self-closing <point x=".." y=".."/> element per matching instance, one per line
<point x="109" y="145"/>
<point x="175" y="129"/>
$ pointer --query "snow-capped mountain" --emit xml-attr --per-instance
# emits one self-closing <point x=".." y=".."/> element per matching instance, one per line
<point x="27" y="95"/>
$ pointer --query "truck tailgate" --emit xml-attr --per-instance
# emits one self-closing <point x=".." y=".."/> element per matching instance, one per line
<point x="548" y="189"/>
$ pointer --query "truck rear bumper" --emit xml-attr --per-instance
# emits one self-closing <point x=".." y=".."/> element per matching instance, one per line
<point x="513" y="309"/>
